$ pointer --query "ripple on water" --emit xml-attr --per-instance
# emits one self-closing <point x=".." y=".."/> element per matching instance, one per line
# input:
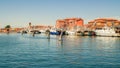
<point x="25" y="51"/>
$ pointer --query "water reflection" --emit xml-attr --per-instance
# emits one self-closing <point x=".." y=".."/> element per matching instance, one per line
<point x="48" y="39"/>
<point x="108" y="42"/>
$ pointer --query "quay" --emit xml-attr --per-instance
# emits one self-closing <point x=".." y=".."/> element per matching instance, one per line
<point x="71" y="26"/>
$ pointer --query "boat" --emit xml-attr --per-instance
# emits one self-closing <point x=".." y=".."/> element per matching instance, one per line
<point x="86" y="33"/>
<point x="107" y="31"/>
<point x="23" y="32"/>
<point x="35" y="31"/>
<point x="54" y="31"/>
<point x="71" y="32"/>
<point x="42" y="31"/>
<point x="89" y="33"/>
<point x="79" y="33"/>
<point x="92" y="33"/>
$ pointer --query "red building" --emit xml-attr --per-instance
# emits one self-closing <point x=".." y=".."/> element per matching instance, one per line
<point x="69" y="23"/>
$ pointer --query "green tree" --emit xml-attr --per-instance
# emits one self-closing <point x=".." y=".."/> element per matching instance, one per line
<point x="7" y="26"/>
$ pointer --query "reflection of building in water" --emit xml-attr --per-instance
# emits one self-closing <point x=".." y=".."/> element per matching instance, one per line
<point x="106" y="42"/>
<point x="59" y="42"/>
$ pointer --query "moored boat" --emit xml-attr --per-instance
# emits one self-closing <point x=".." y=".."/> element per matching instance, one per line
<point x="79" y="33"/>
<point x="107" y="31"/>
<point x="71" y="32"/>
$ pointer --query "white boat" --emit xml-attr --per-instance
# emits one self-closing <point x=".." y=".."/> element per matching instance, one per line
<point x="71" y="32"/>
<point x="42" y="31"/>
<point x="107" y="31"/>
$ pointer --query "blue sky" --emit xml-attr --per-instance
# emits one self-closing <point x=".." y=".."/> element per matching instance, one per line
<point x="18" y="13"/>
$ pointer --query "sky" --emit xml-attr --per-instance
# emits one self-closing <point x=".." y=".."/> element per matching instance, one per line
<point x="18" y="13"/>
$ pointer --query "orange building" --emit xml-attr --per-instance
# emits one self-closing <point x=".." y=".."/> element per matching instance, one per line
<point x="99" y="23"/>
<point x="40" y="27"/>
<point x="69" y="23"/>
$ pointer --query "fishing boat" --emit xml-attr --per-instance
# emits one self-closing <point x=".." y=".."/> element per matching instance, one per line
<point x="54" y="31"/>
<point x="107" y="31"/>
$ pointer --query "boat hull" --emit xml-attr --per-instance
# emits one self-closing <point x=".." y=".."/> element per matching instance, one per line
<point x="110" y="33"/>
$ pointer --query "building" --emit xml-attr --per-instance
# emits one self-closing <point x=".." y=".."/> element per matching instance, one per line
<point x="39" y="27"/>
<point x="69" y="23"/>
<point x="101" y="22"/>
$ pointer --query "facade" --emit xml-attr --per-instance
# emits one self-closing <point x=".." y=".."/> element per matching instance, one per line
<point x="4" y="30"/>
<point x="39" y="27"/>
<point x="69" y="23"/>
<point x="100" y="23"/>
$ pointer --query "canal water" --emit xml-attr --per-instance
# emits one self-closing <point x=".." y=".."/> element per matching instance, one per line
<point x="26" y="51"/>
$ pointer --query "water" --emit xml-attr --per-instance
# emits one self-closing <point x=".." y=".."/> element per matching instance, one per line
<point x="25" y="51"/>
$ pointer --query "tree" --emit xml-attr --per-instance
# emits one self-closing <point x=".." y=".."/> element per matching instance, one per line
<point x="7" y="26"/>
